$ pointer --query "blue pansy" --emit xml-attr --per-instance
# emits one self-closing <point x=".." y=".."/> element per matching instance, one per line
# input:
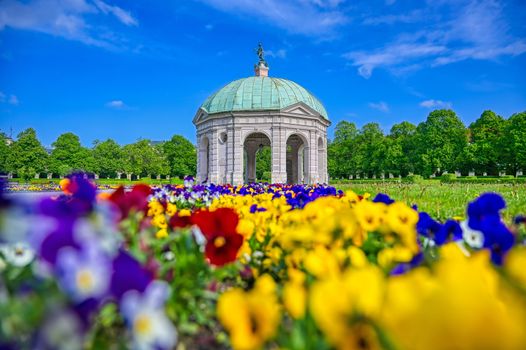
<point x="427" y="226"/>
<point x="449" y="231"/>
<point x="383" y="198"/>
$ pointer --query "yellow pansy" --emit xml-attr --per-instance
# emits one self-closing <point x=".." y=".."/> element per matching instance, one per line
<point x="160" y="221"/>
<point x="171" y="209"/>
<point x="295" y="299"/>
<point x="369" y="215"/>
<point x="155" y="208"/>
<point x="162" y="233"/>
<point x="250" y="317"/>
<point x="339" y="305"/>
<point x="184" y="212"/>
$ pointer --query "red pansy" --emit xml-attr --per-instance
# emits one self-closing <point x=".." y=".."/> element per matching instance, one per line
<point x="136" y="199"/>
<point x="220" y="230"/>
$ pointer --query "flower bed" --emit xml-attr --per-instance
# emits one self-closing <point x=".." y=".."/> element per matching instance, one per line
<point x="258" y="266"/>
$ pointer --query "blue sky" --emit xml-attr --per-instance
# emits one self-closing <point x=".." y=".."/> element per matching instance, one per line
<point x="140" y="69"/>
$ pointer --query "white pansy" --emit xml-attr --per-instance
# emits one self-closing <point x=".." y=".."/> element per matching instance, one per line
<point x="144" y="314"/>
<point x="18" y="254"/>
<point x="200" y="239"/>
<point x="428" y="242"/>
<point x="169" y="256"/>
<point x="473" y="238"/>
<point x="61" y="331"/>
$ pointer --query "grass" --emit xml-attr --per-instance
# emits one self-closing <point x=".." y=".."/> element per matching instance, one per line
<point x="444" y="201"/>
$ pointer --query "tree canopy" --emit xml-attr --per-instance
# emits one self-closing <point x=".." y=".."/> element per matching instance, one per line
<point x="181" y="156"/>
<point x="68" y="155"/>
<point x="440" y="143"/>
<point x="27" y="156"/>
<point x="108" y="158"/>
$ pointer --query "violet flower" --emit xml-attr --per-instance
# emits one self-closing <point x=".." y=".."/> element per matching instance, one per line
<point x="83" y="274"/>
<point x="145" y="317"/>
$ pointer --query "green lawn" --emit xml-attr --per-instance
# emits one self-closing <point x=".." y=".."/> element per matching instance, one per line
<point x="443" y="201"/>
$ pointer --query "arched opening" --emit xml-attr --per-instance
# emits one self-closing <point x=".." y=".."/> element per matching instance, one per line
<point x="322" y="173"/>
<point x="257" y="158"/>
<point x="297" y="160"/>
<point x="204" y="159"/>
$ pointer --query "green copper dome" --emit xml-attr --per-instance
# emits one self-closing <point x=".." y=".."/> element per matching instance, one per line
<point x="260" y="93"/>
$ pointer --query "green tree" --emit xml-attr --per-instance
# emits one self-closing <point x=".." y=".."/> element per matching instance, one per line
<point x="5" y="149"/>
<point x="141" y="159"/>
<point x="485" y="142"/>
<point x="439" y="142"/>
<point x="371" y="149"/>
<point x="514" y="142"/>
<point x="342" y="151"/>
<point x="108" y="157"/>
<point x="181" y="156"/>
<point x="264" y="163"/>
<point x="69" y="155"/>
<point x="27" y="155"/>
<point x="401" y="146"/>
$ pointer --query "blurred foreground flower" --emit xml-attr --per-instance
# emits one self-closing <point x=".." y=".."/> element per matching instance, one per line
<point x="145" y="317"/>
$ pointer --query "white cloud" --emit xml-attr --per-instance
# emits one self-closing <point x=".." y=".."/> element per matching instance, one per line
<point x="470" y="29"/>
<point x="116" y="104"/>
<point x="380" y="106"/>
<point x="391" y="56"/>
<point x="13" y="100"/>
<point x="326" y="3"/>
<point x="308" y="17"/>
<point x="63" y="18"/>
<point x="410" y="17"/>
<point x="122" y="15"/>
<point x="435" y="104"/>
<point x="281" y="53"/>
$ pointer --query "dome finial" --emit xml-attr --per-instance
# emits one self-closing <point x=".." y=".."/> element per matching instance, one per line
<point x="261" y="68"/>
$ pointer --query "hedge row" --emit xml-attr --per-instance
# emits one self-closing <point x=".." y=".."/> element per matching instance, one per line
<point x="447" y="178"/>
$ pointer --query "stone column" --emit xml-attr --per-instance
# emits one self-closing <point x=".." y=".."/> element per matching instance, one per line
<point x="302" y="165"/>
<point x="312" y="152"/>
<point x="230" y="155"/>
<point x="204" y="156"/>
<point x="214" y="157"/>
<point x="49" y="176"/>
<point x="279" y="154"/>
<point x="237" y="160"/>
